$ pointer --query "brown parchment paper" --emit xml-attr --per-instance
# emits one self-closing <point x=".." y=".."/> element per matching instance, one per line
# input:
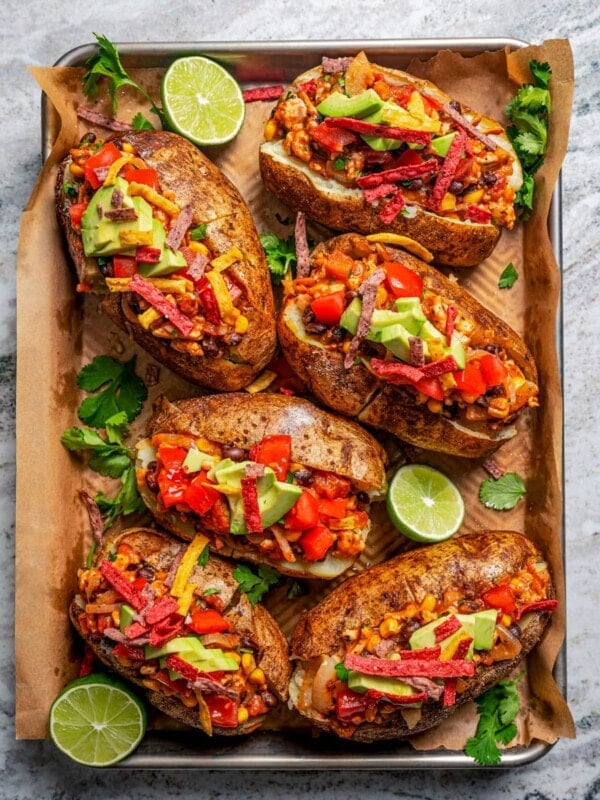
<point x="59" y="331"/>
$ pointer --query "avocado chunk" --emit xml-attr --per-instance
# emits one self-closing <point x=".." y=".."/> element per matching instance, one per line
<point x="381" y="683"/>
<point x="358" y="106"/>
<point x="170" y="260"/>
<point x="194" y="460"/>
<point x="126" y="617"/>
<point x="350" y="317"/>
<point x="231" y="473"/>
<point x="380" y="143"/>
<point x="397" y="340"/>
<point x="441" y="144"/>
<point x="273" y="503"/>
<point x="479" y="626"/>
<point x="181" y="644"/>
<point x="100" y="235"/>
<point x="191" y="649"/>
<point x="484" y="629"/>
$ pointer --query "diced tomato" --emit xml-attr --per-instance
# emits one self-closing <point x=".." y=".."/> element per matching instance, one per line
<point x="330" y="485"/>
<point x="198" y="496"/>
<point x="217" y="519"/>
<point x="207" y="620"/>
<point x="349" y="704"/>
<point x="337" y="509"/>
<point x="332" y="138"/>
<point x="402" y="94"/>
<point x="148" y="176"/>
<point x="104" y="157"/>
<point x="76" y="212"/>
<point x="492" y="369"/>
<point x="329" y="309"/>
<point x="139" y="583"/>
<point x="171" y="457"/>
<point x="304" y="513"/>
<point x="223" y="711"/>
<point x="470" y="380"/>
<point x="275" y="452"/>
<point x="432" y="387"/>
<point x="431" y="104"/>
<point x="316" y="541"/>
<point x="129" y="651"/>
<point x="500" y="597"/>
<point x="124" y="266"/>
<point x="403" y="282"/>
<point x="339" y="266"/>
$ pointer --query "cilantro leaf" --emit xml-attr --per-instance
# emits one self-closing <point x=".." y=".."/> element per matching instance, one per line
<point x="342" y="672"/>
<point x="110" y="459"/>
<point x="541" y="72"/>
<point x="127" y="501"/>
<point x="124" y="390"/>
<point x="297" y="589"/>
<point x="140" y="123"/>
<point x="498" y="707"/>
<point x="255" y="586"/>
<point x="203" y="557"/>
<point x="524" y="197"/>
<point x="502" y="493"/>
<point x="280" y="254"/>
<point x="509" y="277"/>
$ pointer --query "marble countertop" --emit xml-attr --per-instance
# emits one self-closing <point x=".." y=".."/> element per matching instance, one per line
<point x="34" y="32"/>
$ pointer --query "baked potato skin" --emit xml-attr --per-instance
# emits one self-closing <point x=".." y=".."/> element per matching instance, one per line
<point x="451" y="242"/>
<point x="253" y="622"/>
<point x="476" y="560"/>
<point x="195" y="180"/>
<point x="356" y="392"/>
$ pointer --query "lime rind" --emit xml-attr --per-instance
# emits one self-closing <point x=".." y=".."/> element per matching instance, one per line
<point x="202" y="101"/>
<point x="97" y="721"/>
<point x="424" y="504"/>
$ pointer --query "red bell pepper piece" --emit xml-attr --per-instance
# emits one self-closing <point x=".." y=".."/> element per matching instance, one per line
<point x="427" y="668"/>
<point x="500" y="597"/>
<point x="349" y="704"/>
<point x="316" y="541"/>
<point x="275" y="452"/>
<point x="171" y="457"/>
<point x="330" y="485"/>
<point x="124" y="266"/>
<point x="470" y="380"/>
<point x="76" y="213"/>
<point x="147" y="176"/>
<point x="208" y="620"/>
<point x="402" y="94"/>
<point x="87" y="663"/>
<point x="492" y="369"/>
<point x="198" y="496"/>
<point x="447" y="628"/>
<point x="103" y="157"/>
<point x="251" y="507"/>
<point x="331" y="138"/>
<point x="172" y="485"/>
<point x="120" y="583"/>
<point x="130" y="651"/>
<point x="329" y="309"/>
<point x="538" y="605"/>
<point x="304" y="513"/>
<point x="335" y="509"/>
<point x="403" y="281"/>
<point x="209" y="302"/>
<point x="223" y="711"/>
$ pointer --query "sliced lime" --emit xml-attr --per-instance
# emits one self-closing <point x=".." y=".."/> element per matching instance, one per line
<point x="202" y="100"/>
<point x="97" y="721"/>
<point x="424" y="504"/>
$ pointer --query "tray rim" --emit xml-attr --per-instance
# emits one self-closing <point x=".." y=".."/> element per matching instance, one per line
<point x="363" y="761"/>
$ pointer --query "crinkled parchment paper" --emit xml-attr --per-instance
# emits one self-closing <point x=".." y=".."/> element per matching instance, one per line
<point x="59" y="331"/>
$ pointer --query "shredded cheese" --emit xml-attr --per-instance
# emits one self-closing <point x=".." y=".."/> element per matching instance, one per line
<point x="154" y="198"/>
<point x="188" y="562"/>
<point x="225" y="260"/>
<point x="115" y="168"/>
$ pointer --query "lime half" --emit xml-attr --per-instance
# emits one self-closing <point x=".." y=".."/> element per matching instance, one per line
<point x="202" y="101"/>
<point x="424" y="504"/>
<point x="97" y="721"/>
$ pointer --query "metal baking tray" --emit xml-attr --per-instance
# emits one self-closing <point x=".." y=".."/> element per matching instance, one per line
<point x="279" y="62"/>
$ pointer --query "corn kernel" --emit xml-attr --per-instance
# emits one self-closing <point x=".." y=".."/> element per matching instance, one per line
<point x="126" y="147"/>
<point x="429" y="602"/>
<point x="242" y="715"/>
<point x="271" y="130"/>
<point x="257" y="676"/>
<point x="473" y="197"/>
<point x="448" y="202"/>
<point x="389" y="627"/>
<point x="506" y="620"/>
<point x="241" y="324"/>
<point x="76" y="170"/>
<point x="232" y="654"/>
<point x="248" y="663"/>
<point x="198" y="247"/>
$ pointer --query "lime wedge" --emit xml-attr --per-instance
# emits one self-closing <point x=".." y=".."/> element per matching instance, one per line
<point x="202" y="101"/>
<point x="424" y="504"/>
<point x="97" y="721"/>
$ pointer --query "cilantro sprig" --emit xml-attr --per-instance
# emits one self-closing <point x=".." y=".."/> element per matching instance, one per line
<point x="106" y="64"/>
<point x="529" y="113"/>
<point x="498" y="708"/>
<point x="255" y="586"/>
<point x="280" y="254"/>
<point x="118" y="396"/>
<point x="502" y="493"/>
<point x="116" y="387"/>
<point x="508" y="277"/>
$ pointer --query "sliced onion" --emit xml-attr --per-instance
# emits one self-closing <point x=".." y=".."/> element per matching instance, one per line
<point x="325" y="676"/>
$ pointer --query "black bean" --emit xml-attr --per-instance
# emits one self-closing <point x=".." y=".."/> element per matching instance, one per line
<point x="336" y="334"/>
<point x="308" y="315"/>
<point x="234" y="453"/>
<point x="455" y="105"/>
<point x="151" y="477"/>
<point x="147" y="571"/>
<point x="233" y="340"/>
<point x="416" y="184"/>
<point x="269" y="699"/>
<point x="315" y="328"/>
<point x="515" y="631"/>
<point x="456" y="187"/>
<point x="362" y="498"/>
<point x="303" y="477"/>
<point x="210" y="347"/>
<point x="490" y="178"/>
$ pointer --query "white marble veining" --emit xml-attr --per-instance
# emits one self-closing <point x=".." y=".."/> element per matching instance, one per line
<point x="35" y="32"/>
